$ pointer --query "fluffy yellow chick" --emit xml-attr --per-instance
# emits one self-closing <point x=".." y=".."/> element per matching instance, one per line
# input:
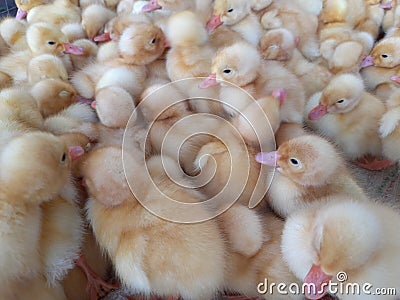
<point x="384" y="54"/>
<point x="13" y="33"/>
<point x="241" y="65"/>
<point x="302" y="24"/>
<point x="280" y="44"/>
<point x="46" y="66"/>
<point x="347" y="114"/>
<point x="25" y="184"/>
<point x="237" y="15"/>
<point x="53" y="95"/>
<point x="94" y="18"/>
<point x="56" y="13"/>
<point x="307" y="168"/>
<point x="189" y="57"/>
<point x="194" y="269"/>
<point x="25" y="5"/>
<point x="343" y="235"/>
<point x="247" y="275"/>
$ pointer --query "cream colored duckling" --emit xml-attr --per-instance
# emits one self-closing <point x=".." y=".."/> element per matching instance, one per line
<point x="192" y="270"/>
<point x="308" y="168"/>
<point x="13" y="33"/>
<point x="139" y="44"/>
<point x="280" y="44"/>
<point x="389" y="128"/>
<point x="58" y="12"/>
<point x="190" y="57"/>
<point x="341" y="234"/>
<point x="241" y="65"/>
<point x="53" y="95"/>
<point x="384" y="54"/>
<point x="94" y="18"/>
<point x="46" y="66"/>
<point x="333" y="112"/>
<point x="25" y="5"/>
<point x="25" y="184"/>
<point x="238" y="16"/>
<point x="42" y="38"/>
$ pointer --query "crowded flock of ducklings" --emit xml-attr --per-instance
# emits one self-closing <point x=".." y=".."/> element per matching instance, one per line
<point x="311" y="88"/>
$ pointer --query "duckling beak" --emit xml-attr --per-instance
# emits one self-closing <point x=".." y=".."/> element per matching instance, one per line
<point x="210" y="81"/>
<point x="395" y="78"/>
<point x="167" y="44"/>
<point x="318" y="283"/>
<point x="75" y="152"/>
<point x="318" y="112"/>
<point x="72" y="49"/>
<point x="21" y="14"/>
<point x="152" y="6"/>
<point x="93" y="104"/>
<point x="388" y="5"/>
<point x="268" y="158"/>
<point x="280" y="94"/>
<point x="367" y="62"/>
<point x="214" y="22"/>
<point x="105" y="37"/>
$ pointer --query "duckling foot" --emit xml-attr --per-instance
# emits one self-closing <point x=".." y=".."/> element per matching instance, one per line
<point x="96" y="286"/>
<point x="373" y="163"/>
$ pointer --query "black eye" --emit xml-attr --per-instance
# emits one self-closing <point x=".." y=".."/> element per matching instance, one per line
<point x="340" y="101"/>
<point x="294" y="161"/>
<point x="227" y="71"/>
<point x="230" y="10"/>
<point x="153" y="41"/>
<point x="63" y="158"/>
<point x="51" y="43"/>
<point x="384" y="56"/>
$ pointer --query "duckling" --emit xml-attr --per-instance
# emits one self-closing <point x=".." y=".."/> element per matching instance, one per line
<point x="308" y="168"/>
<point x="46" y="66"/>
<point x="302" y="24"/>
<point x="280" y="44"/>
<point x="88" y="56"/>
<point x="384" y="54"/>
<point x="53" y="95"/>
<point x="139" y="44"/>
<point x="199" y="278"/>
<point x="58" y="12"/>
<point x="341" y="234"/>
<point x="24" y="6"/>
<point x="332" y="112"/>
<point x="389" y="128"/>
<point x="42" y="38"/>
<point x="94" y="18"/>
<point x="73" y="31"/>
<point x="48" y="165"/>
<point x="238" y="16"/>
<point x="13" y="33"/>
<point x="190" y="57"/>
<point x="241" y="65"/>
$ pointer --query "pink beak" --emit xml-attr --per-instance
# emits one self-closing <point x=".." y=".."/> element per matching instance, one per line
<point x="214" y="22"/>
<point x="367" y="62"/>
<point x="72" y="49"/>
<point x="75" y="152"/>
<point x="318" y="283"/>
<point x="105" y="37"/>
<point x="210" y="81"/>
<point x="21" y="14"/>
<point x="388" y="5"/>
<point x="152" y="6"/>
<point x="93" y="104"/>
<point x="318" y="112"/>
<point x="84" y="100"/>
<point x="268" y="158"/>
<point x="280" y="94"/>
<point x="395" y="78"/>
<point x="167" y="44"/>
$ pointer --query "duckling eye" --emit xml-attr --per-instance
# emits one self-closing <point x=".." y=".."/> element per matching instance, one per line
<point x="51" y="43"/>
<point x="230" y="10"/>
<point x="153" y="41"/>
<point x="227" y="71"/>
<point x="340" y="101"/>
<point x="63" y="158"/>
<point x="294" y="161"/>
<point x="384" y="56"/>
